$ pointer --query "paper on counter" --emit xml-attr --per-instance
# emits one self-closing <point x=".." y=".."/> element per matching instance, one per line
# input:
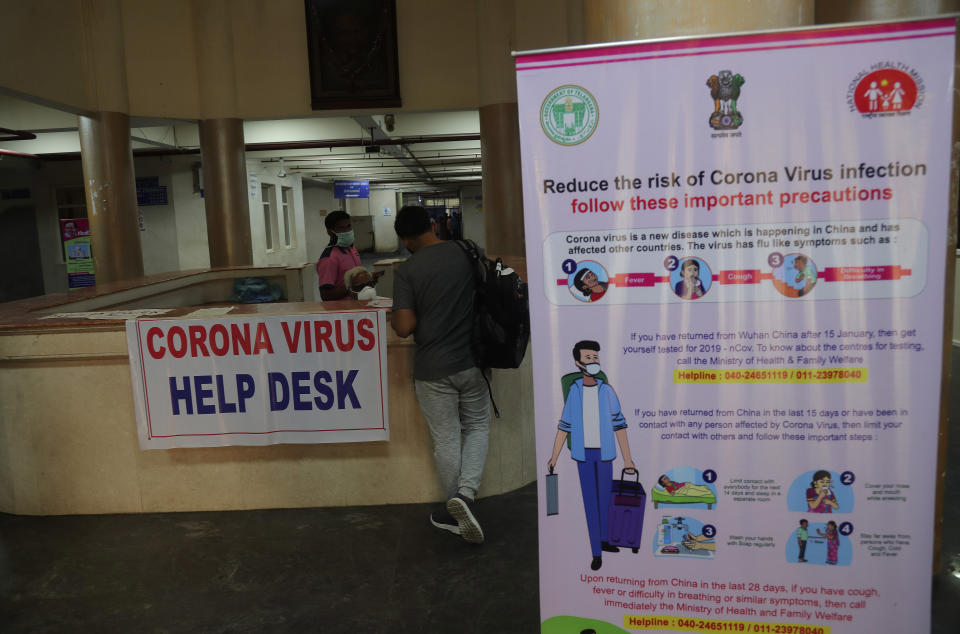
<point x="219" y="311"/>
<point x="112" y="315"/>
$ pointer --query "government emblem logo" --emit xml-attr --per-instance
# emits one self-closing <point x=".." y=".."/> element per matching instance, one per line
<point x="725" y="91"/>
<point x="569" y="115"/>
<point x="885" y="90"/>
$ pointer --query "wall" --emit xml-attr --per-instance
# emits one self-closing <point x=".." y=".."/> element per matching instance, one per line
<point x="384" y="237"/>
<point x="268" y="53"/>
<point x="174" y="236"/>
<point x="43" y="179"/>
<point x="281" y="254"/>
<point x="86" y="459"/>
<point x="191" y="218"/>
<point x="158" y="228"/>
<point x="471" y="209"/>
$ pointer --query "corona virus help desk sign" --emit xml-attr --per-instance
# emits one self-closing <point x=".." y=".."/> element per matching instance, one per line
<point x="259" y="380"/>
<point x="736" y="249"/>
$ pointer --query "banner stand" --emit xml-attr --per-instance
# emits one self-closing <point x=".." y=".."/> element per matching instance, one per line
<point x="732" y="247"/>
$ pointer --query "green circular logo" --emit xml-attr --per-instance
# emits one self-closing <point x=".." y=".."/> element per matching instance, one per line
<point x="569" y="115"/>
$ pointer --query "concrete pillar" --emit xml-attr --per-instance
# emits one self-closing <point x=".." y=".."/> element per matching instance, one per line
<point x="502" y="184"/>
<point x="226" y="198"/>
<point x="505" y="26"/>
<point x="508" y="25"/>
<point x="111" y="196"/>
<point x="105" y="153"/>
<point x="499" y="130"/>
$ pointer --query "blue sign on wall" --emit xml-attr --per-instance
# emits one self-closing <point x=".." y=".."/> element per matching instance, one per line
<point x="351" y="189"/>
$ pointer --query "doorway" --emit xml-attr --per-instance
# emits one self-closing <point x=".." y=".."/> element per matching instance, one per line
<point x="19" y="254"/>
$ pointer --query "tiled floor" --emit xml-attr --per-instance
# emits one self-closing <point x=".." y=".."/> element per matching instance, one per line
<point x="358" y="570"/>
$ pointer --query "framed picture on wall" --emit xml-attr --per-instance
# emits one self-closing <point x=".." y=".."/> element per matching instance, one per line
<point x="353" y="54"/>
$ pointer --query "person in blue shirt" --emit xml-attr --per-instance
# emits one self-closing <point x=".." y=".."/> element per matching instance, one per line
<point x="592" y="419"/>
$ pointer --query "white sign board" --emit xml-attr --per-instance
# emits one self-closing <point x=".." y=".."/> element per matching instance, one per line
<point x="260" y="380"/>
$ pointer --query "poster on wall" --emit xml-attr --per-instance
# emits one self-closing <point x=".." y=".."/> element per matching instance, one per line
<point x="736" y="251"/>
<point x="259" y="380"/>
<point x="75" y="233"/>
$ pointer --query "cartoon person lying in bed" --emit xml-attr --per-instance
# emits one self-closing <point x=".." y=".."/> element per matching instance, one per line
<point x="684" y="488"/>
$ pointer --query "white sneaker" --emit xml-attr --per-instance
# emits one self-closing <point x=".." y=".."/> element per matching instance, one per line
<point x="447" y="524"/>
<point x="459" y="508"/>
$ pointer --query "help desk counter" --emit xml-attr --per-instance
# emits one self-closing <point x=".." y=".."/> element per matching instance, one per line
<point x="69" y="440"/>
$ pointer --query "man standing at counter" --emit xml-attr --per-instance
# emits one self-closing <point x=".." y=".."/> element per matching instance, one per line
<point x="433" y="300"/>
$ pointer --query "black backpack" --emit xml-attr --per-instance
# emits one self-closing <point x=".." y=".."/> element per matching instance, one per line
<point x="501" y="319"/>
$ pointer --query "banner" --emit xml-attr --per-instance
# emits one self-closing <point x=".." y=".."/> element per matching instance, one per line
<point x="259" y="380"/>
<point x="75" y="233"/>
<point x="736" y="252"/>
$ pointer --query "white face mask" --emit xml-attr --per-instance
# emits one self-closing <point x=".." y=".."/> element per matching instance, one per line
<point x="593" y="369"/>
<point x="367" y="293"/>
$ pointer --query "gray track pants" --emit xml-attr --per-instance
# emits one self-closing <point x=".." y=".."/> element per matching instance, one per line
<point x="457" y="409"/>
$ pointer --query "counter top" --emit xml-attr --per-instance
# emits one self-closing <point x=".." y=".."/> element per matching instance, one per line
<point x="34" y="314"/>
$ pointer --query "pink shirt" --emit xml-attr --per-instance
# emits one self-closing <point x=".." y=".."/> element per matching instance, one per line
<point x="334" y="263"/>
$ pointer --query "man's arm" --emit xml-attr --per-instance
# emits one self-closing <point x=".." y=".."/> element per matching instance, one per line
<point x="331" y="292"/>
<point x="619" y="428"/>
<point x="625" y="450"/>
<point x="403" y="317"/>
<point x="403" y="321"/>
<point x="558" y="443"/>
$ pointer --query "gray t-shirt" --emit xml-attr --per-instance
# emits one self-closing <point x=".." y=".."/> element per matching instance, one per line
<point x="437" y="283"/>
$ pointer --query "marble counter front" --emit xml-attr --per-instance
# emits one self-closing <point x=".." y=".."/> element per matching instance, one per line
<point x="68" y="435"/>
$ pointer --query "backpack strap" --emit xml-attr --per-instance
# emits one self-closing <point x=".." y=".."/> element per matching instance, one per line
<point x="472" y="251"/>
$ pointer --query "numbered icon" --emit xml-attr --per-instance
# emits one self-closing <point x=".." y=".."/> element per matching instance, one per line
<point x="847" y="478"/>
<point x="671" y="262"/>
<point x="709" y="476"/>
<point x="568" y="266"/>
<point x="775" y="260"/>
<point x="709" y="530"/>
<point x="846" y="528"/>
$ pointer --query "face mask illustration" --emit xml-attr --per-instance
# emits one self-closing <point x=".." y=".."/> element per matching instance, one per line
<point x="593" y="369"/>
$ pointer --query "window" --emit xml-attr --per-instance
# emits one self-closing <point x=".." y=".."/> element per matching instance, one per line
<point x="71" y="203"/>
<point x="268" y="197"/>
<point x="286" y="198"/>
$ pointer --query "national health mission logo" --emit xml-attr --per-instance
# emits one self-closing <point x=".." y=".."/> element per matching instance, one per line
<point x="569" y="115"/>
<point x="886" y="89"/>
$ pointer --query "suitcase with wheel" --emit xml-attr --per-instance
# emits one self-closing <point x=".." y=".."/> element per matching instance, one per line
<point x="625" y="518"/>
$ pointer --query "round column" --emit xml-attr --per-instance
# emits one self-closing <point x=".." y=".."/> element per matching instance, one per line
<point x="111" y="196"/>
<point x="499" y="130"/>
<point x="225" y="192"/>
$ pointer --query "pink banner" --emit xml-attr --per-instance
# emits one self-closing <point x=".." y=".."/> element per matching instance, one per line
<point x="736" y="252"/>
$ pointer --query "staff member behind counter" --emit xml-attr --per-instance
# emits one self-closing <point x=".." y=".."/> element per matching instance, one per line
<point x="339" y="257"/>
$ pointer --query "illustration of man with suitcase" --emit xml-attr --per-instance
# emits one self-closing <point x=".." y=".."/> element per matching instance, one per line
<point x="593" y="421"/>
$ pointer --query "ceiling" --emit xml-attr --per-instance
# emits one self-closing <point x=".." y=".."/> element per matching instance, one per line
<point x="407" y="151"/>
